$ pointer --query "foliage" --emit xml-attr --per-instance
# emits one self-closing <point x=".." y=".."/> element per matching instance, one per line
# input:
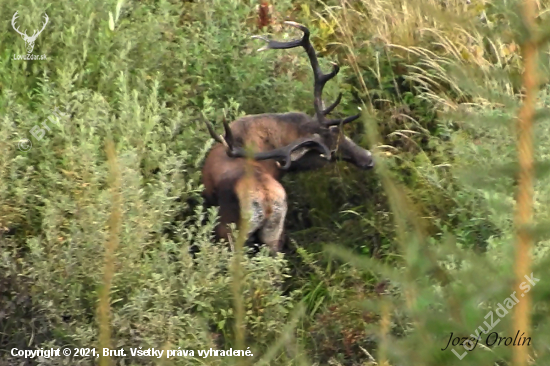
<point x="420" y="248"/>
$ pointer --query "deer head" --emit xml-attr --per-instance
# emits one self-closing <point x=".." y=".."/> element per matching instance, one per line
<point x="29" y="40"/>
<point x="308" y="142"/>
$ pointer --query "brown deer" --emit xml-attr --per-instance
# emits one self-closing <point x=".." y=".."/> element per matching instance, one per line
<point x="295" y="139"/>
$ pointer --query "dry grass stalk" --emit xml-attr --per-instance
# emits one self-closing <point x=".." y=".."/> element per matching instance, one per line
<point x="524" y="208"/>
<point x="237" y="270"/>
<point x="104" y="308"/>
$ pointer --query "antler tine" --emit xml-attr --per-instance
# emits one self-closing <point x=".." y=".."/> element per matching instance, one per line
<point x="343" y="121"/>
<point x="45" y="23"/>
<point x="227" y="140"/>
<point x="320" y="79"/>
<point x="333" y="105"/>
<point x="218" y="138"/>
<point x="277" y="45"/>
<point x="36" y="33"/>
<point x="13" y="19"/>
<point x="228" y="133"/>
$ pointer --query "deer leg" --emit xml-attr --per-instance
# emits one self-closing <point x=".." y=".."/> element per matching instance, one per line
<point x="252" y="203"/>
<point x="256" y="218"/>
<point x="228" y="212"/>
<point x="271" y="232"/>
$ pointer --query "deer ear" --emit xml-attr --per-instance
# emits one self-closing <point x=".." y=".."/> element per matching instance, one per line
<point x="298" y="154"/>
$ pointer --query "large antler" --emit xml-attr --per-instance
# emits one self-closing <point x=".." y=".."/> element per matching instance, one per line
<point x="35" y="34"/>
<point x="320" y="79"/>
<point x="283" y="153"/>
<point x="17" y="29"/>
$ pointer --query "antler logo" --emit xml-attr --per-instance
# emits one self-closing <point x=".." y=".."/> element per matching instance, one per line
<point x="29" y="40"/>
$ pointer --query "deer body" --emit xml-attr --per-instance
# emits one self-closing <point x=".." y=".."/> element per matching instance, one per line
<point x="300" y="141"/>
<point x="227" y="186"/>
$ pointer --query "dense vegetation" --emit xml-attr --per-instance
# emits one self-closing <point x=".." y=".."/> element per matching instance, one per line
<point x="382" y="265"/>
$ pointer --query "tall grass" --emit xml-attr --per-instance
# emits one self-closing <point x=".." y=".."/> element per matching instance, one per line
<point x="424" y="246"/>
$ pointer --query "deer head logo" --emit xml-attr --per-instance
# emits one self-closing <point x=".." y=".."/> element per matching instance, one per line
<point x="29" y="41"/>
